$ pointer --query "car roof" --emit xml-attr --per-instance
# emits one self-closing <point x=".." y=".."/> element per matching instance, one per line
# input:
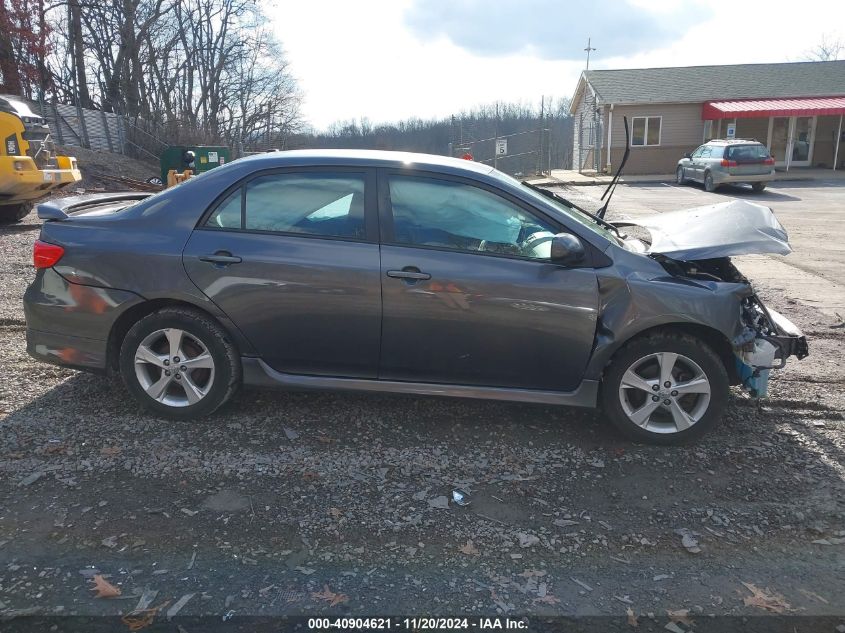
<point x="733" y="141"/>
<point x="366" y="157"/>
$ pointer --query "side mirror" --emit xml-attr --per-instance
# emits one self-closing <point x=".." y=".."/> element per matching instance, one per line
<point x="688" y="155"/>
<point x="567" y="250"/>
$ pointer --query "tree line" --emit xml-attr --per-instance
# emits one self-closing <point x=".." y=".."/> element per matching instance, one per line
<point x="192" y="70"/>
<point x="211" y="71"/>
<point x="538" y="135"/>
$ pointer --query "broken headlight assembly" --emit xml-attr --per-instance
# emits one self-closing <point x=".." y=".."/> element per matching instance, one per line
<point x="766" y="341"/>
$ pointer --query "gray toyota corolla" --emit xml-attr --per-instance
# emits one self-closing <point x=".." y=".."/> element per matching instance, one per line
<point x="386" y="271"/>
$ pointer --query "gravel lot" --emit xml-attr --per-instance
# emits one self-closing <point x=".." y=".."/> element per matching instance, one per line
<point x="302" y="503"/>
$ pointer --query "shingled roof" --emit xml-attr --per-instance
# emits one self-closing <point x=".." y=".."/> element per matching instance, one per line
<point x="694" y="84"/>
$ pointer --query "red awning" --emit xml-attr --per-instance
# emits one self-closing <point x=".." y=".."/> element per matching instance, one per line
<point x="808" y="106"/>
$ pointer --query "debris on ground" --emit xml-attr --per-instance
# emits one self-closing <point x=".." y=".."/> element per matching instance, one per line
<point x="177" y="607"/>
<point x="104" y="588"/>
<point x="765" y="599"/>
<point x="330" y="596"/>
<point x="460" y="497"/>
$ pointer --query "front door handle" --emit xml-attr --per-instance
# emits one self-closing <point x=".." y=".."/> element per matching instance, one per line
<point x="408" y="273"/>
<point x="221" y="257"/>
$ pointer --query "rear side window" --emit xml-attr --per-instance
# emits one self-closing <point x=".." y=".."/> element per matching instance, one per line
<point x="712" y="151"/>
<point x="747" y="153"/>
<point x="324" y="204"/>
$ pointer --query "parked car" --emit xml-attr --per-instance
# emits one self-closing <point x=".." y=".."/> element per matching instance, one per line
<point x="719" y="162"/>
<point x="395" y="272"/>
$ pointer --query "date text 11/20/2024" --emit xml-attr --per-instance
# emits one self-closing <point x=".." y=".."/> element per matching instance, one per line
<point x="418" y="624"/>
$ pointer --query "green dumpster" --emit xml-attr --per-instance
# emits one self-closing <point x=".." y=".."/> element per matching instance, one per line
<point x="199" y="158"/>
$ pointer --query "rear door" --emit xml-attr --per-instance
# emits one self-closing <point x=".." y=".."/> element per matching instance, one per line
<point x="292" y="257"/>
<point x="470" y="297"/>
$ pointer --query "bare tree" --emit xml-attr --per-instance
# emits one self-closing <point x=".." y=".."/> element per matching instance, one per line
<point x="830" y="48"/>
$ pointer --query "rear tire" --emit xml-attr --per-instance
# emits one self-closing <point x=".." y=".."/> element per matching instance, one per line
<point x="15" y="212"/>
<point x="180" y="363"/>
<point x="680" y="178"/>
<point x="709" y="185"/>
<point x="758" y="186"/>
<point x="697" y="394"/>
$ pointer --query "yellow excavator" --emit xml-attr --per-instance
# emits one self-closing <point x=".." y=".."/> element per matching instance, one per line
<point x="29" y="167"/>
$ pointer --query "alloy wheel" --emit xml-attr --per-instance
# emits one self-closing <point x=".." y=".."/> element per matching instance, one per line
<point x="174" y="367"/>
<point x="664" y="392"/>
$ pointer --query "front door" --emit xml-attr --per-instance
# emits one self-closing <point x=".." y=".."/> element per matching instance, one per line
<point x="779" y="142"/>
<point x="292" y="258"/>
<point x="791" y="140"/>
<point x="469" y="295"/>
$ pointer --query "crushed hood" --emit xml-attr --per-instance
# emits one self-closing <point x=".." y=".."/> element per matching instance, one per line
<point x="716" y="230"/>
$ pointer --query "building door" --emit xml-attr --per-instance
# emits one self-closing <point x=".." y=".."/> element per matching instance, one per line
<point x="791" y="140"/>
<point x="802" y="141"/>
<point x="779" y="138"/>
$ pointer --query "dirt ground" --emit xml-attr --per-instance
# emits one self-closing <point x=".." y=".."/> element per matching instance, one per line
<point x="97" y="166"/>
<point x="339" y="504"/>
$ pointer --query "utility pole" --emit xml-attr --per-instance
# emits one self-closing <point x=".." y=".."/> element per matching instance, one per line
<point x="496" y="139"/>
<point x="589" y="49"/>
<point x="540" y="135"/>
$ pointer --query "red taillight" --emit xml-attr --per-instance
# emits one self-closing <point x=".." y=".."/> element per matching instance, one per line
<point x="769" y="161"/>
<point x="728" y="163"/>
<point x="46" y="255"/>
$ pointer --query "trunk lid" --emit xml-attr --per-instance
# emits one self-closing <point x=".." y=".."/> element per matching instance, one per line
<point x="89" y="204"/>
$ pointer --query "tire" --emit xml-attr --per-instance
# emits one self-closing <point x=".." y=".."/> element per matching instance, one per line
<point x="626" y="400"/>
<point x="679" y="176"/>
<point x="15" y="212"/>
<point x="758" y="186"/>
<point x="149" y="351"/>
<point x="709" y="185"/>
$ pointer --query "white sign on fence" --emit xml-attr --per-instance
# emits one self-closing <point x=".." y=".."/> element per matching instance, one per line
<point x="501" y="146"/>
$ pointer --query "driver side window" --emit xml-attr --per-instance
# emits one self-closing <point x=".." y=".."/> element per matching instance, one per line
<point x="447" y="214"/>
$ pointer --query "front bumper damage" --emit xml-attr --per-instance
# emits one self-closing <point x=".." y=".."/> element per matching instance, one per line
<point x="767" y="340"/>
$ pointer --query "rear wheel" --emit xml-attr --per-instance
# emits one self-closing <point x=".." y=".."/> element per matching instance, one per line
<point x="15" y="212"/>
<point x="665" y="389"/>
<point x="179" y="363"/>
<point x="709" y="185"/>
<point x="758" y="186"/>
<point x="680" y="177"/>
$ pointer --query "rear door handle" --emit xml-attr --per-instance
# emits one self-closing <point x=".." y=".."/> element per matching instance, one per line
<point x="408" y="274"/>
<point x="221" y="257"/>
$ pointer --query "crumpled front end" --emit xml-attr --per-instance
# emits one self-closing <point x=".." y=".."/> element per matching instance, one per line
<point x="767" y="340"/>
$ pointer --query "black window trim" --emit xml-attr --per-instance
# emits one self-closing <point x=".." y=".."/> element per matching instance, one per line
<point x="386" y="215"/>
<point x="371" y="215"/>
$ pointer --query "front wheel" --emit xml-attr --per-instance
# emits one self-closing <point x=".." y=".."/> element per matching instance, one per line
<point x="680" y="177"/>
<point x="179" y="363"/>
<point x="665" y="389"/>
<point x="758" y="186"/>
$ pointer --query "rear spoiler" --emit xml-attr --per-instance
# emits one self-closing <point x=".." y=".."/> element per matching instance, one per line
<point x="59" y="208"/>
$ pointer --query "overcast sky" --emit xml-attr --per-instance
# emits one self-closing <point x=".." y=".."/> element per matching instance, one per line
<point x="393" y="59"/>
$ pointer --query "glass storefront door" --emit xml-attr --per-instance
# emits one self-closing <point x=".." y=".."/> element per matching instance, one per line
<point x="780" y="139"/>
<point x="791" y="140"/>
<point x="802" y="141"/>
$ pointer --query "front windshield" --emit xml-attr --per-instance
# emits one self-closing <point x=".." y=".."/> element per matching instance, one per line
<point x="570" y="212"/>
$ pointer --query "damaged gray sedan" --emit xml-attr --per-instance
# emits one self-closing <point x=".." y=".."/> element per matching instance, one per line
<point x="406" y="273"/>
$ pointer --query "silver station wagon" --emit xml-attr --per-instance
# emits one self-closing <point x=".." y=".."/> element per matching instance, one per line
<point x="720" y="162"/>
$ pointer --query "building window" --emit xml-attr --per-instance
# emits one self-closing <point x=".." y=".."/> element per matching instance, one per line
<point x="645" y="130"/>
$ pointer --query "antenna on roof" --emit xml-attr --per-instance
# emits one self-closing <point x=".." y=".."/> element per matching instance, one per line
<point x="588" y="49"/>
